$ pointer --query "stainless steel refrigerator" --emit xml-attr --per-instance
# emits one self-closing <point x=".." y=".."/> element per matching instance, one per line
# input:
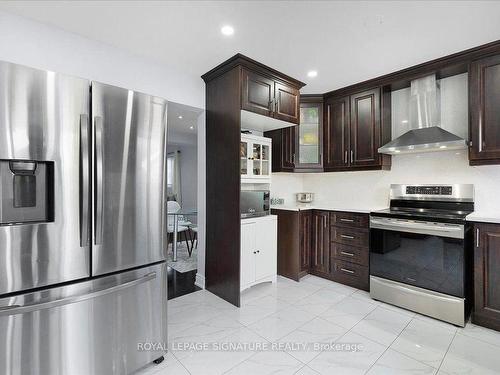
<point x="82" y="225"/>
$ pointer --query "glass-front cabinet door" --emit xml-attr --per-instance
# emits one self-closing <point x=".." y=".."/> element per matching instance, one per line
<point x="310" y="135"/>
<point x="244" y="158"/>
<point x="255" y="158"/>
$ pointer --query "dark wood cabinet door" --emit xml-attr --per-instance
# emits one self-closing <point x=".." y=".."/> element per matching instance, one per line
<point x="365" y="128"/>
<point x="286" y="103"/>
<point x="336" y="133"/>
<point x="305" y="240"/>
<point x="257" y="93"/>
<point x="487" y="275"/>
<point x="288" y="148"/>
<point x="320" y="242"/>
<point x="484" y="94"/>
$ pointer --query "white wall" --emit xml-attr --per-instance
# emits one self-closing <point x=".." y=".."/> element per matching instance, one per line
<point x="27" y="42"/>
<point x="370" y="189"/>
<point x="285" y="185"/>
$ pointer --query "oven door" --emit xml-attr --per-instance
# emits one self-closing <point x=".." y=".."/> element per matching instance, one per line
<point x="428" y="255"/>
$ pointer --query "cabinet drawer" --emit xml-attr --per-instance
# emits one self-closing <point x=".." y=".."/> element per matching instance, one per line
<point x="358" y="255"/>
<point x="349" y="274"/>
<point x="349" y="219"/>
<point x="350" y="236"/>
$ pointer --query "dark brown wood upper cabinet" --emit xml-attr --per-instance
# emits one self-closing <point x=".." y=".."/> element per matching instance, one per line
<point x="355" y="127"/>
<point x="257" y="93"/>
<point x="336" y="133"/>
<point x="487" y="276"/>
<point x="320" y="242"/>
<point x="484" y="99"/>
<point x="283" y="148"/>
<point x="365" y="128"/>
<point x="268" y="96"/>
<point x="286" y="103"/>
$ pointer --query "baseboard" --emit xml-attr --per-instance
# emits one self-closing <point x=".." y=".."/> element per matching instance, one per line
<point x="200" y="281"/>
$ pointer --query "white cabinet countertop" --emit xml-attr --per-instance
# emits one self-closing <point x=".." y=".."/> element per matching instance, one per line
<point x="484" y="217"/>
<point x="326" y="207"/>
<point x="258" y="218"/>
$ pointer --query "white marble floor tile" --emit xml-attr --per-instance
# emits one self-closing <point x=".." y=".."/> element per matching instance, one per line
<point x="281" y="323"/>
<point x="348" y="312"/>
<point x="306" y="370"/>
<point x="257" y="309"/>
<point x="424" y="341"/>
<point x="348" y="362"/>
<point x="257" y="291"/>
<point x="293" y="293"/>
<point x="210" y="330"/>
<point x="364" y="296"/>
<point x="470" y="356"/>
<point x="313" y="332"/>
<point x="311" y="279"/>
<point x="481" y="333"/>
<point x="267" y="363"/>
<point x="342" y="289"/>
<point x="394" y="363"/>
<point x="319" y="301"/>
<point x="382" y="325"/>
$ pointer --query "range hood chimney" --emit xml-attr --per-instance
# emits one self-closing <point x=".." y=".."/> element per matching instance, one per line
<point x="426" y="134"/>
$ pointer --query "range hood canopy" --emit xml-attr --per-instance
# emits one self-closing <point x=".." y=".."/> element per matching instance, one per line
<point x="426" y="134"/>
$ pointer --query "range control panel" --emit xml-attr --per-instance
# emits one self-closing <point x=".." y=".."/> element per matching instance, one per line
<point x="430" y="190"/>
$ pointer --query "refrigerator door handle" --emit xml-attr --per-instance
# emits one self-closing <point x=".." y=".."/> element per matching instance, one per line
<point x="84" y="180"/>
<point x="17" y="309"/>
<point x="98" y="180"/>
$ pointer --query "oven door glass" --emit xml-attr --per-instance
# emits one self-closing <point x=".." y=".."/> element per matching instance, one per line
<point x="427" y="261"/>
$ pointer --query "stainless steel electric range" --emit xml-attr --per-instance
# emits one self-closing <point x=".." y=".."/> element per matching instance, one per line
<point x="419" y="254"/>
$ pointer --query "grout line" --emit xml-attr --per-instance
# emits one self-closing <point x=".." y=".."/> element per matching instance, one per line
<point x="388" y="347"/>
<point x="447" y="350"/>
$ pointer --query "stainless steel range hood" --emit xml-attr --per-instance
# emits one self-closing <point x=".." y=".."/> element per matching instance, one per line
<point x="425" y="134"/>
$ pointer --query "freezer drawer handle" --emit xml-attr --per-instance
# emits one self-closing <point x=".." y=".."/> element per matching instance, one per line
<point x="347" y="237"/>
<point x="17" y="309"/>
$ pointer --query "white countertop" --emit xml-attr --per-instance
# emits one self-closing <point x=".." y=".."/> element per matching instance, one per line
<point x="267" y="217"/>
<point x="326" y="207"/>
<point x="484" y="217"/>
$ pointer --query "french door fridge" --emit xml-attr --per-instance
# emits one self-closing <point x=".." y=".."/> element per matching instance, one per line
<point x="82" y="225"/>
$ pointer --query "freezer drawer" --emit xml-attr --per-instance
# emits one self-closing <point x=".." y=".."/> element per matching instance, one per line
<point x="128" y="178"/>
<point x="92" y="327"/>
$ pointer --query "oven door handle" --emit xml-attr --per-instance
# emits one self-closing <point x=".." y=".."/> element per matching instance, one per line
<point x="452" y="230"/>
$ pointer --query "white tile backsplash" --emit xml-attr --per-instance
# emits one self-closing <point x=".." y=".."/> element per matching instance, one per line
<point x="371" y="188"/>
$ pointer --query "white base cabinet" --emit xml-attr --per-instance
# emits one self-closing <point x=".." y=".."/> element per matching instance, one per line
<point x="259" y="250"/>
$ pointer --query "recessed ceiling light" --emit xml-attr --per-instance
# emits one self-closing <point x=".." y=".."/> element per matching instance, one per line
<point x="180" y="117"/>
<point x="227" y="30"/>
<point x="191" y="127"/>
<point x="312" y="73"/>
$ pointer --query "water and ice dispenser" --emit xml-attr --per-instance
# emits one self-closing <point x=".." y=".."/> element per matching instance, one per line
<point x="26" y="191"/>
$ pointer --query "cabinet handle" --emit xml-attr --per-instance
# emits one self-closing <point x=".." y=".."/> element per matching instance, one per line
<point x="258" y="251"/>
<point x="345" y="157"/>
<point x="347" y="220"/>
<point x="275" y="105"/>
<point x="347" y="271"/>
<point x="293" y="158"/>
<point x="346" y="253"/>
<point x="477" y="237"/>
<point x="352" y="156"/>
<point x="271" y="105"/>
<point x="346" y="236"/>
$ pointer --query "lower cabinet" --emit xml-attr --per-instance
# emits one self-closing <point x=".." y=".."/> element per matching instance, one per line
<point x="320" y="246"/>
<point x="305" y="219"/>
<point x="329" y="244"/>
<point x="259" y="244"/>
<point x="487" y="275"/>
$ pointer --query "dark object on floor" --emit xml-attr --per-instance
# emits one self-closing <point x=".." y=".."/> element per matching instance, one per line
<point x="157" y="361"/>
<point x="181" y="283"/>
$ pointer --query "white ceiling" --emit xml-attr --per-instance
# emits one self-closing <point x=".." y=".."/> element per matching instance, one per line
<point x="179" y="130"/>
<point x="346" y="42"/>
